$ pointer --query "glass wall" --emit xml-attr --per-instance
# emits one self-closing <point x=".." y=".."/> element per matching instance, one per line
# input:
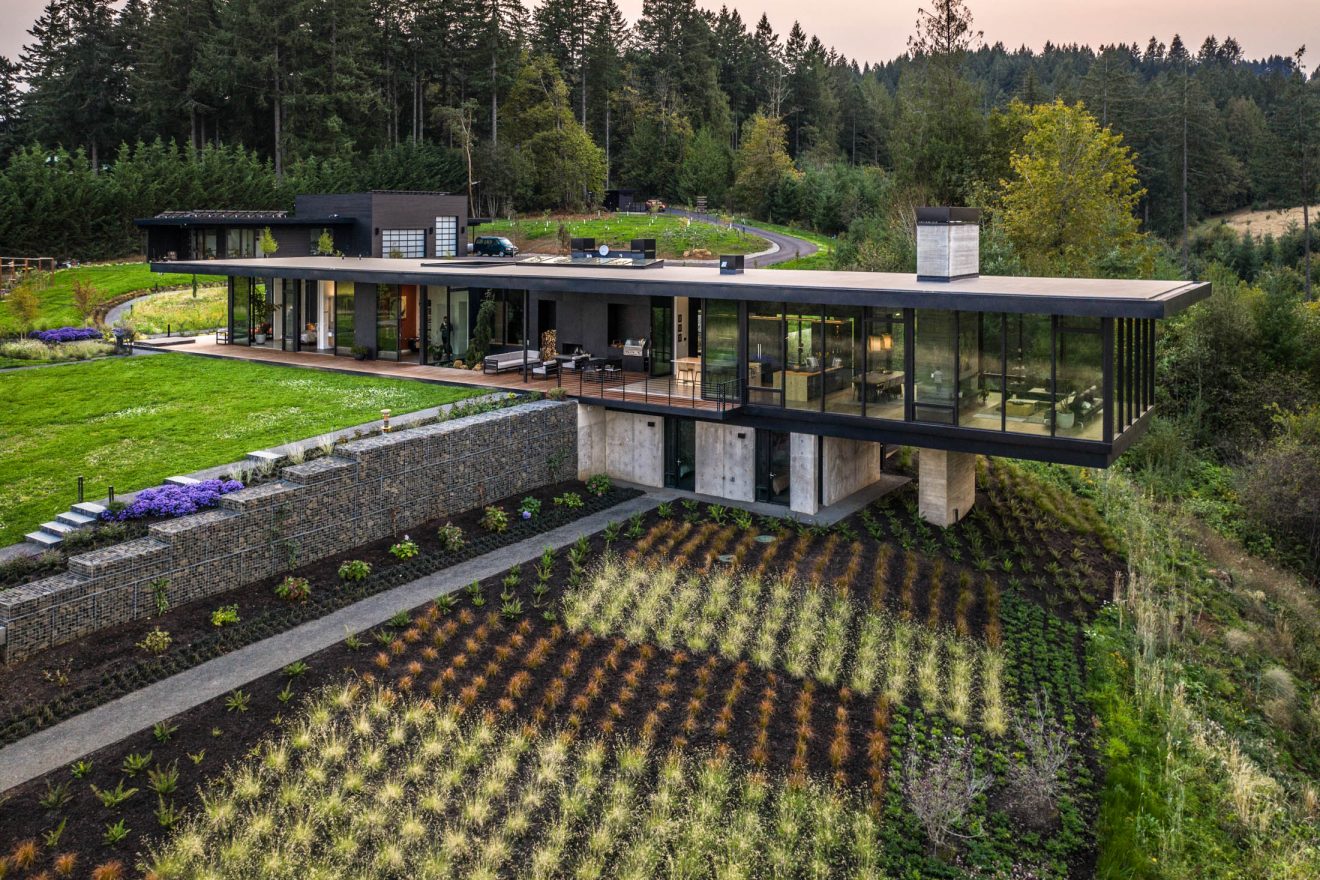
<point x="240" y="297"/>
<point x="884" y="385"/>
<point x="720" y="350"/>
<point x="387" y="322"/>
<point x="1030" y="374"/>
<point x="991" y="391"/>
<point x="1079" y="379"/>
<point x="805" y="371"/>
<point x="345" y="302"/>
<point x="240" y="242"/>
<point x="935" y="338"/>
<point x="765" y="353"/>
<point x="969" y="366"/>
<point x="844" y="359"/>
<point x="461" y="316"/>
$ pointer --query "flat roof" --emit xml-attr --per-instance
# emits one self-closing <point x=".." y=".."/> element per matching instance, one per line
<point x="1093" y="297"/>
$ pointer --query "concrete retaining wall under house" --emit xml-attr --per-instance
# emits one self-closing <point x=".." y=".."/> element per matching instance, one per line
<point x="369" y="489"/>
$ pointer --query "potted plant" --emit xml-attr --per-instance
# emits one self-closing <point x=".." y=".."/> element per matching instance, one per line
<point x="1064" y="416"/>
<point x="361" y="352"/>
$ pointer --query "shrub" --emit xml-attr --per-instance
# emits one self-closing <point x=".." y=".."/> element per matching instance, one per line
<point x="67" y="334"/>
<point x="354" y="570"/>
<point x="940" y="791"/>
<point x="224" y="615"/>
<point x="451" y="538"/>
<point x="1034" y="782"/>
<point x="495" y="520"/>
<point x="529" y="507"/>
<point x="598" y="484"/>
<point x="172" y="500"/>
<point x="158" y="640"/>
<point x="569" y="500"/>
<point x="557" y="394"/>
<point x="405" y="549"/>
<point x="294" y="589"/>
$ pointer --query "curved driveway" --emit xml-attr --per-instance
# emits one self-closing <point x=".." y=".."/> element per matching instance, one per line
<point x="789" y="247"/>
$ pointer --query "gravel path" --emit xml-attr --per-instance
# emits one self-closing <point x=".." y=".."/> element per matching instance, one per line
<point x="105" y="725"/>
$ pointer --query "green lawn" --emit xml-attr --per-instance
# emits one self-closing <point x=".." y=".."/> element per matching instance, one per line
<point x="112" y="280"/>
<point x="132" y="422"/>
<point x="674" y="236"/>
<point x="181" y="312"/>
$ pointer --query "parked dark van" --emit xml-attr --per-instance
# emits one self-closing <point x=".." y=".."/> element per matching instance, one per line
<point x="493" y="246"/>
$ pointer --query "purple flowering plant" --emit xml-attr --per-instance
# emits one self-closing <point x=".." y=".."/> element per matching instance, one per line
<point x="67" y="334"/>
<point x="170" y="501"/>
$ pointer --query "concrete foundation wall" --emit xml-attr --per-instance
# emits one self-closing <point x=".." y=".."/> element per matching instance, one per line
<point x="635" y="448"/>
<point x="946" y="485"/>
<point x="369" y="489"/>
<point x="850" y="466"/>
<point x="726" y="461"/>
<point x="625" y="446"/>
<point x="803" y="462"/>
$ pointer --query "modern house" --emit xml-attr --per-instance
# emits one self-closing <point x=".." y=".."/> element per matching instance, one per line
<point x="780" y="386"/>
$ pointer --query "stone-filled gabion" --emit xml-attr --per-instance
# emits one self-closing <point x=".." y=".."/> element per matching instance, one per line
<point x="367" y="490"/>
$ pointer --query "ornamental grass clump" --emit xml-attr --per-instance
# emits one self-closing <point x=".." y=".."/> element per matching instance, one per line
<point x="171" y="501"/>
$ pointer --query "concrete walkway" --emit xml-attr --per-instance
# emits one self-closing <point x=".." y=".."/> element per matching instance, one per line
<point x="58" y="746"/>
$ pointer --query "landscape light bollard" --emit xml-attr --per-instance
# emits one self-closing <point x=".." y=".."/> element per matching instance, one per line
<point x="80" y="490"/>
<point x="112" y="496"/>
<point x="385" y="418"/>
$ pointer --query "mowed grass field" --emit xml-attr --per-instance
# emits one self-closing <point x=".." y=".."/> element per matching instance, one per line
<point x="56" y="295"/>
<point x="181" y="311"/>
<point x="132" y="422"/>
<point x="675" y="237"/>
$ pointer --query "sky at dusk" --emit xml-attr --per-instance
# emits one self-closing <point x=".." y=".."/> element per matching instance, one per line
<point x="877" y="30"/>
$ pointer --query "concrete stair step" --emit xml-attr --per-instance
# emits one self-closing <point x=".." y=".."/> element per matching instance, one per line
<point x="43" y="539"/>
<point x="75" y="519"/>
<point x="181" y="481"/>
<point x="90" y="508"/>
<point x="57" y="528"/>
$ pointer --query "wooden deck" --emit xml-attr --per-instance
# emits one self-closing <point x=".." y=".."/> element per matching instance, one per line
<point x="618" y="388"/>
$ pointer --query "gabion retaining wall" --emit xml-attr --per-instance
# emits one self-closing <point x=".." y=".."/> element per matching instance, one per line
<point x="369" y="489"/>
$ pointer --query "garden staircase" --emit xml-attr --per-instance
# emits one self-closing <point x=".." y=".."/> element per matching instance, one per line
<point x="81" y="515"/>
<point x="52" y="533"/>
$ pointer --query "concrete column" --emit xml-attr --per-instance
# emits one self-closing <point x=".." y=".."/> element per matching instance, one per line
<point x="946" y="485"/>
<point x="591" y="440"/>
<point x="849" y="466"/>
<point x="635" y="448"/>
<point x="726" y="461"/>
<point x="802" y="474"/>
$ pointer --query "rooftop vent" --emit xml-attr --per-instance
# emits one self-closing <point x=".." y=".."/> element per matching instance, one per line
<point x="948" y="243"/>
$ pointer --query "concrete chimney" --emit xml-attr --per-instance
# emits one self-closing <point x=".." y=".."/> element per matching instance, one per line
<point x="948" y="243"/>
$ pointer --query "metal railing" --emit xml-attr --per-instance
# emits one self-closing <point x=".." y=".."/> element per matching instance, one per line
<point x="603" y="383"/>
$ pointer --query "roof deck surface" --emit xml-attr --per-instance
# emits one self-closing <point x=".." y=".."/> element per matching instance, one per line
<point x="1060" y="296"/>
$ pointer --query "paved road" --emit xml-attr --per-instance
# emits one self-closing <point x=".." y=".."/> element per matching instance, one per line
<point x="789" y="247"/>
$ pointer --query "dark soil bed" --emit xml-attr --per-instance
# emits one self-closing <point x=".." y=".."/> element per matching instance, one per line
<point x="72" y="678"/>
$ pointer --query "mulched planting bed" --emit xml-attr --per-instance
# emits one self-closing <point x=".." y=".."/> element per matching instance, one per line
<point x="527" y="666"/>
<point x="72" y="678"/>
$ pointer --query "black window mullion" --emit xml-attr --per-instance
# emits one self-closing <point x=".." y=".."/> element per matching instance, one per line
<point x="1150" y="398"/>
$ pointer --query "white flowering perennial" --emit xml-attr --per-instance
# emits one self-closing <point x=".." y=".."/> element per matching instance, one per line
<point x="807" y="631"/>
<point x="371" y="785"/>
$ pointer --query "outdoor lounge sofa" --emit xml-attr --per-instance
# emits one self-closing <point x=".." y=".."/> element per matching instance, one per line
<point x="509" y="360"/>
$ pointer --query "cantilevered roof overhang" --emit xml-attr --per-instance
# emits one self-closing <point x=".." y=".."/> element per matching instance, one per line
<point x="1090" y="297"/>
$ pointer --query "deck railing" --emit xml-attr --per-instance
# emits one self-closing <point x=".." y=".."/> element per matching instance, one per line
<point x="618" y="385"/>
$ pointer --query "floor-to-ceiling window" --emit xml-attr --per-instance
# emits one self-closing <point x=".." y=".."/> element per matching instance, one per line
<point x="884" y="386"/>
<point x="662" y="335"/>
<point x="934" y="390"/>
<point x="1079" y="378"/>
<point x="844" y="360"/>
<point x="805" y="372"/>
<point x="388" y="303"/>
<point x="720" y="350"/>
<point x="240" y="300"/>
<point x="345" y="318"/>
<point x="765" y="353"/>
<point x="240" y="242"/>
<point x="1029" y="377"/>
<point x="461" y="317"/>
